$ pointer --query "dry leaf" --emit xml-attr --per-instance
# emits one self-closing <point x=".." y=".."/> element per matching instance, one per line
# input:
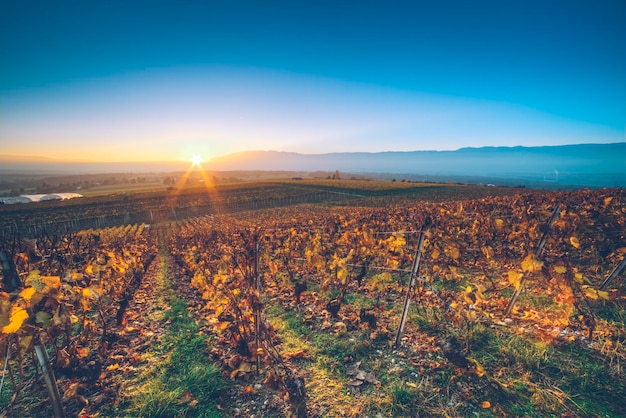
<point x="515" y="278"/>
<point x="531" y="264"/>
<point x="17" y="318"/>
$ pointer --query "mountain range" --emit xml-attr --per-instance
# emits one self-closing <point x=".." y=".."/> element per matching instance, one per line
<point x="584" y="164"/>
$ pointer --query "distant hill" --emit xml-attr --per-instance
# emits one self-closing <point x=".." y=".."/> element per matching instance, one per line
<point x="551" y="166"/>
<point x="587" y="164"/>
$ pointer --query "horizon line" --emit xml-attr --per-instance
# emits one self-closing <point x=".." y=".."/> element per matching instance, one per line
<point x="44" y="159"/>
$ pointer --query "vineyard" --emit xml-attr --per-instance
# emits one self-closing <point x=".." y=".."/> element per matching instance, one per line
<point x="181" y="203"/>
<point x="502" y="305"/>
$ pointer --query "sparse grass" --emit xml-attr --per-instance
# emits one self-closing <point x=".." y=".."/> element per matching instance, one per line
<point x="541" y="377"/>
<point x="183" y="384"/>
<point x="613" y="311"/>
<point x="402" y="399"/>
<point x="360" y="301"/>
<point x="427" y="318"/>
<point x="182" y="381"/>
<point x="330" y="353"/>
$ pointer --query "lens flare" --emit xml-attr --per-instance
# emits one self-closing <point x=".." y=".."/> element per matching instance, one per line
<point x="196" y="160"/>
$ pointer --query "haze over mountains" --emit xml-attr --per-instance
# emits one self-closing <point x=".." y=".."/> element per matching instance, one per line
<point x="584" y="165"/>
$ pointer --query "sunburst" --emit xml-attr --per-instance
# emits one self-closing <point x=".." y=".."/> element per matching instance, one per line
<point x="196" y="160"/>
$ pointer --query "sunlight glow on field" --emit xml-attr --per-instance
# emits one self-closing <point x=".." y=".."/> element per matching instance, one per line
<point x="195" y="169"/>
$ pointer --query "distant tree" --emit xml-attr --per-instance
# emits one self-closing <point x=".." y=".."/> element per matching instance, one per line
<point x="336" y="175"/>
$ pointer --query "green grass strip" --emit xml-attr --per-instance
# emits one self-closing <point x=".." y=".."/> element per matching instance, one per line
<point x="184" y="383"/>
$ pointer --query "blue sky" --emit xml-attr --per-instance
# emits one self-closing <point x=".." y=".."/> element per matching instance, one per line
<point x="157" y="80"/>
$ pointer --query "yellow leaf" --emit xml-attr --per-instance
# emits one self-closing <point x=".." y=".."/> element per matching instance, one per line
<point x="17" y="318"/>
<point x="488" y="252"/>
<point x="434" y="254"/>
<point x="574" y="241"/>
<point x="608" y="200"/>
<point x="197" y="281"/>
<point x="480" y="372"/>
<point x="515" y="278"/>
<point x="113" y="367"/>
<point x="43" y="284"/>
<point x="499" y="223"/>
<point x="87" y="293"/>
<point x="89" y="269"/>
<point x="342" y="275"/>
<point x="396" y="242"/>
<point x="578" y="278"/>
<point x="308" y="254"/>
<point x="27" y="293"/>
<point x="560" y="269"/>
<point x="603" y="294"/>
<point x="478" y="369"/>
<point x="220" y="277"/>
<point x="485" y="405"/>
<point x="531" y="264"/>
<point x="393" y="263"/>
<point x="591" y="293"/>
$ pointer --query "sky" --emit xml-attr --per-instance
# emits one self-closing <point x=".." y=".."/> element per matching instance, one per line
<point x="164" y="80"/>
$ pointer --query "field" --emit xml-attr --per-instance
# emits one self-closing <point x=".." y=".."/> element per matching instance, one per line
<point x="316" y="298"/>
<point x="124" y="188"/>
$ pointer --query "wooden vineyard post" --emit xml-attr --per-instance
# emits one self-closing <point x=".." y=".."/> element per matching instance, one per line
<point x="257" y="307"/>
<point x="538" y="252"/>
<point x="409" y="291"/>
<point x="616" y="271"/>
<point x="51" y="383"/>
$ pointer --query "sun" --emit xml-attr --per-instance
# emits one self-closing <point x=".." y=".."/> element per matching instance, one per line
<point x="196" y="160"/>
